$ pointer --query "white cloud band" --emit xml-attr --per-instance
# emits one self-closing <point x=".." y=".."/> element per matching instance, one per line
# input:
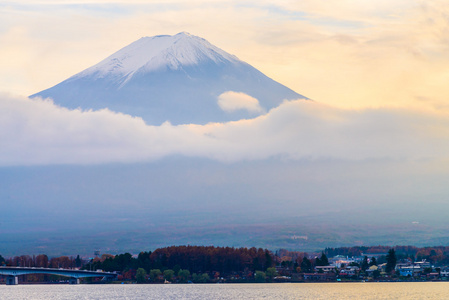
<point x="38" y="132"/>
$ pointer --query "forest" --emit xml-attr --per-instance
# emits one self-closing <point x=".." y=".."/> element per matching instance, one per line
<point x="211" y="264"/>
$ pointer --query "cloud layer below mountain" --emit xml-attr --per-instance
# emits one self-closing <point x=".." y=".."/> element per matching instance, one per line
<point x="37" y="132"/>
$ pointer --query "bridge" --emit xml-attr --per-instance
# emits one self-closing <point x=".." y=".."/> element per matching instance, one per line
<point x="12" y="273"/>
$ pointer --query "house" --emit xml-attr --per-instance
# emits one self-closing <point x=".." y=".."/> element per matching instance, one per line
<point x="370" y="271"/>
<point x="422" y="264"/>
<point x="325" y="269"/>
<point x="410" y="271"/>
<point x="349" y="271"/>
<point x="341" y="261"/>
<point x="444" y="272"/>
<point x="382" y="267"/>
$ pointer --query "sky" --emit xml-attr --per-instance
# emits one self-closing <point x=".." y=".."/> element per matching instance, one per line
<point x="375" y="71"/>
<point x="346" y="53"/>
<point x="375" y="130"/>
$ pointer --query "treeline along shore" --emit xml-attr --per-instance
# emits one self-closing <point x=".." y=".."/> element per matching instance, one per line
<point x="209" y="264"/>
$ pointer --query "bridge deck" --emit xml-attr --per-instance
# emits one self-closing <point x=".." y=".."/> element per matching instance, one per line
<point x="17" y="271"/>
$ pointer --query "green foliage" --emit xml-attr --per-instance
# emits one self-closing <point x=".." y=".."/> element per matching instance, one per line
<point x="306" y="265"/>
<point x="78" y="261"/>
<point x="271" y="273"/>
<point x="176" y="269"/>
<point x="200" y="278"/>
<point x="365" y="264"/>
<point x="154" y="274"/>
<point x="144" y="260"/>
<point x="183" y="275"/>
<point x="169" y="274"/>
<point x="260" y="277"/>
<point x="391" y="261"/>
<point x="205" y="277"/>
<point x="323" y="261"/>
<point x="196" y="259"/>
<point x="287" y="264"/>
<point x="268" y="258"/>
<point x="141" y="275"/>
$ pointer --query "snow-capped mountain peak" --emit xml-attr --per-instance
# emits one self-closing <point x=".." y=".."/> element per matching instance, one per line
<point x="162" y="51"/>
<point x="180" y="78"/>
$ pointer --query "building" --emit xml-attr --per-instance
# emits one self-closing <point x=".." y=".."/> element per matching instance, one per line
<point x="325" y="269"/>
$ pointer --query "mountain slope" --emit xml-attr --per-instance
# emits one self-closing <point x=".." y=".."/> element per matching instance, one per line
<point x="176" y="78"/>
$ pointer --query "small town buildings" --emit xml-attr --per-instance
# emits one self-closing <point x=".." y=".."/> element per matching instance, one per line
<point x="342" y="261"/>
<point x="325" y="269"/>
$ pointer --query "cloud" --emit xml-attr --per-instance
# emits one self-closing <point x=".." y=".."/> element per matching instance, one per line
<point x="232" y="101"/>
<point x="365" y="53"/>
<point x="36" y="132"/>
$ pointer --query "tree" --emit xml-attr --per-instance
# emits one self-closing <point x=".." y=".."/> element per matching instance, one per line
<point x="268" y="259"/>
<point x="271" y="273"/>
<point x="373" y="262"/>
<point x="323" y="261"/>
<point x="141" y="275"/>
<point x="306" y="265"/>
<point x="391" y="261"/>
<point x="365" y="264"/>
<point x="154" y="274"/>
<point x="183" y="275"/>
<point x="260" y="276"/>
<point x="168" y="275"/>
<point x="176" y="269"/>
<point x="78" y="261"/>
<point x="200" y="278"/>
<point x="205" y="277"/>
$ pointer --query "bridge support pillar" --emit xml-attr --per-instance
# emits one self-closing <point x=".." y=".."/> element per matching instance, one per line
<point x="12" y="280"/>
<point x="73" y="280"/>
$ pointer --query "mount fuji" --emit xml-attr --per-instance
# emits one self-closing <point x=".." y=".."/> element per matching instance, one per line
<point x="181" y="79"/>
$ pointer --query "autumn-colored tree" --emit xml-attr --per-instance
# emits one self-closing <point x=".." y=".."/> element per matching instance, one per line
<point x="130" y="274"/>
<point x="41" y="261"/>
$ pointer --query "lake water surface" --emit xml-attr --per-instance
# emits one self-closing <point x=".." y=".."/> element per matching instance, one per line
<point x="403" y="290"/>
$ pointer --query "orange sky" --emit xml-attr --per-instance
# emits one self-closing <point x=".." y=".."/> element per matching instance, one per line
<point x="346" y="53"/>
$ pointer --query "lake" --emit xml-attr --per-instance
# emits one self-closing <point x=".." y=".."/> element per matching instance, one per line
<point x="401" y="290"/>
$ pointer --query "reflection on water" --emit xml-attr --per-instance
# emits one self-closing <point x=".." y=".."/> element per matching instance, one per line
<point x="405" y="290"/>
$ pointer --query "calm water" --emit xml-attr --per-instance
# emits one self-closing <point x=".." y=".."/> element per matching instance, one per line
<point x="421" y="290"/>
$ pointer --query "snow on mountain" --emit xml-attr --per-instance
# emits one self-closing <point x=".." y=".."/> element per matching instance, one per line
<point x="154" y="53"/>
<point x="177" y="78"/>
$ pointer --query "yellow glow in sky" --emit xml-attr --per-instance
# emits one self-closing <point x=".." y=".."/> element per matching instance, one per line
<point x="351" y="54"/>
